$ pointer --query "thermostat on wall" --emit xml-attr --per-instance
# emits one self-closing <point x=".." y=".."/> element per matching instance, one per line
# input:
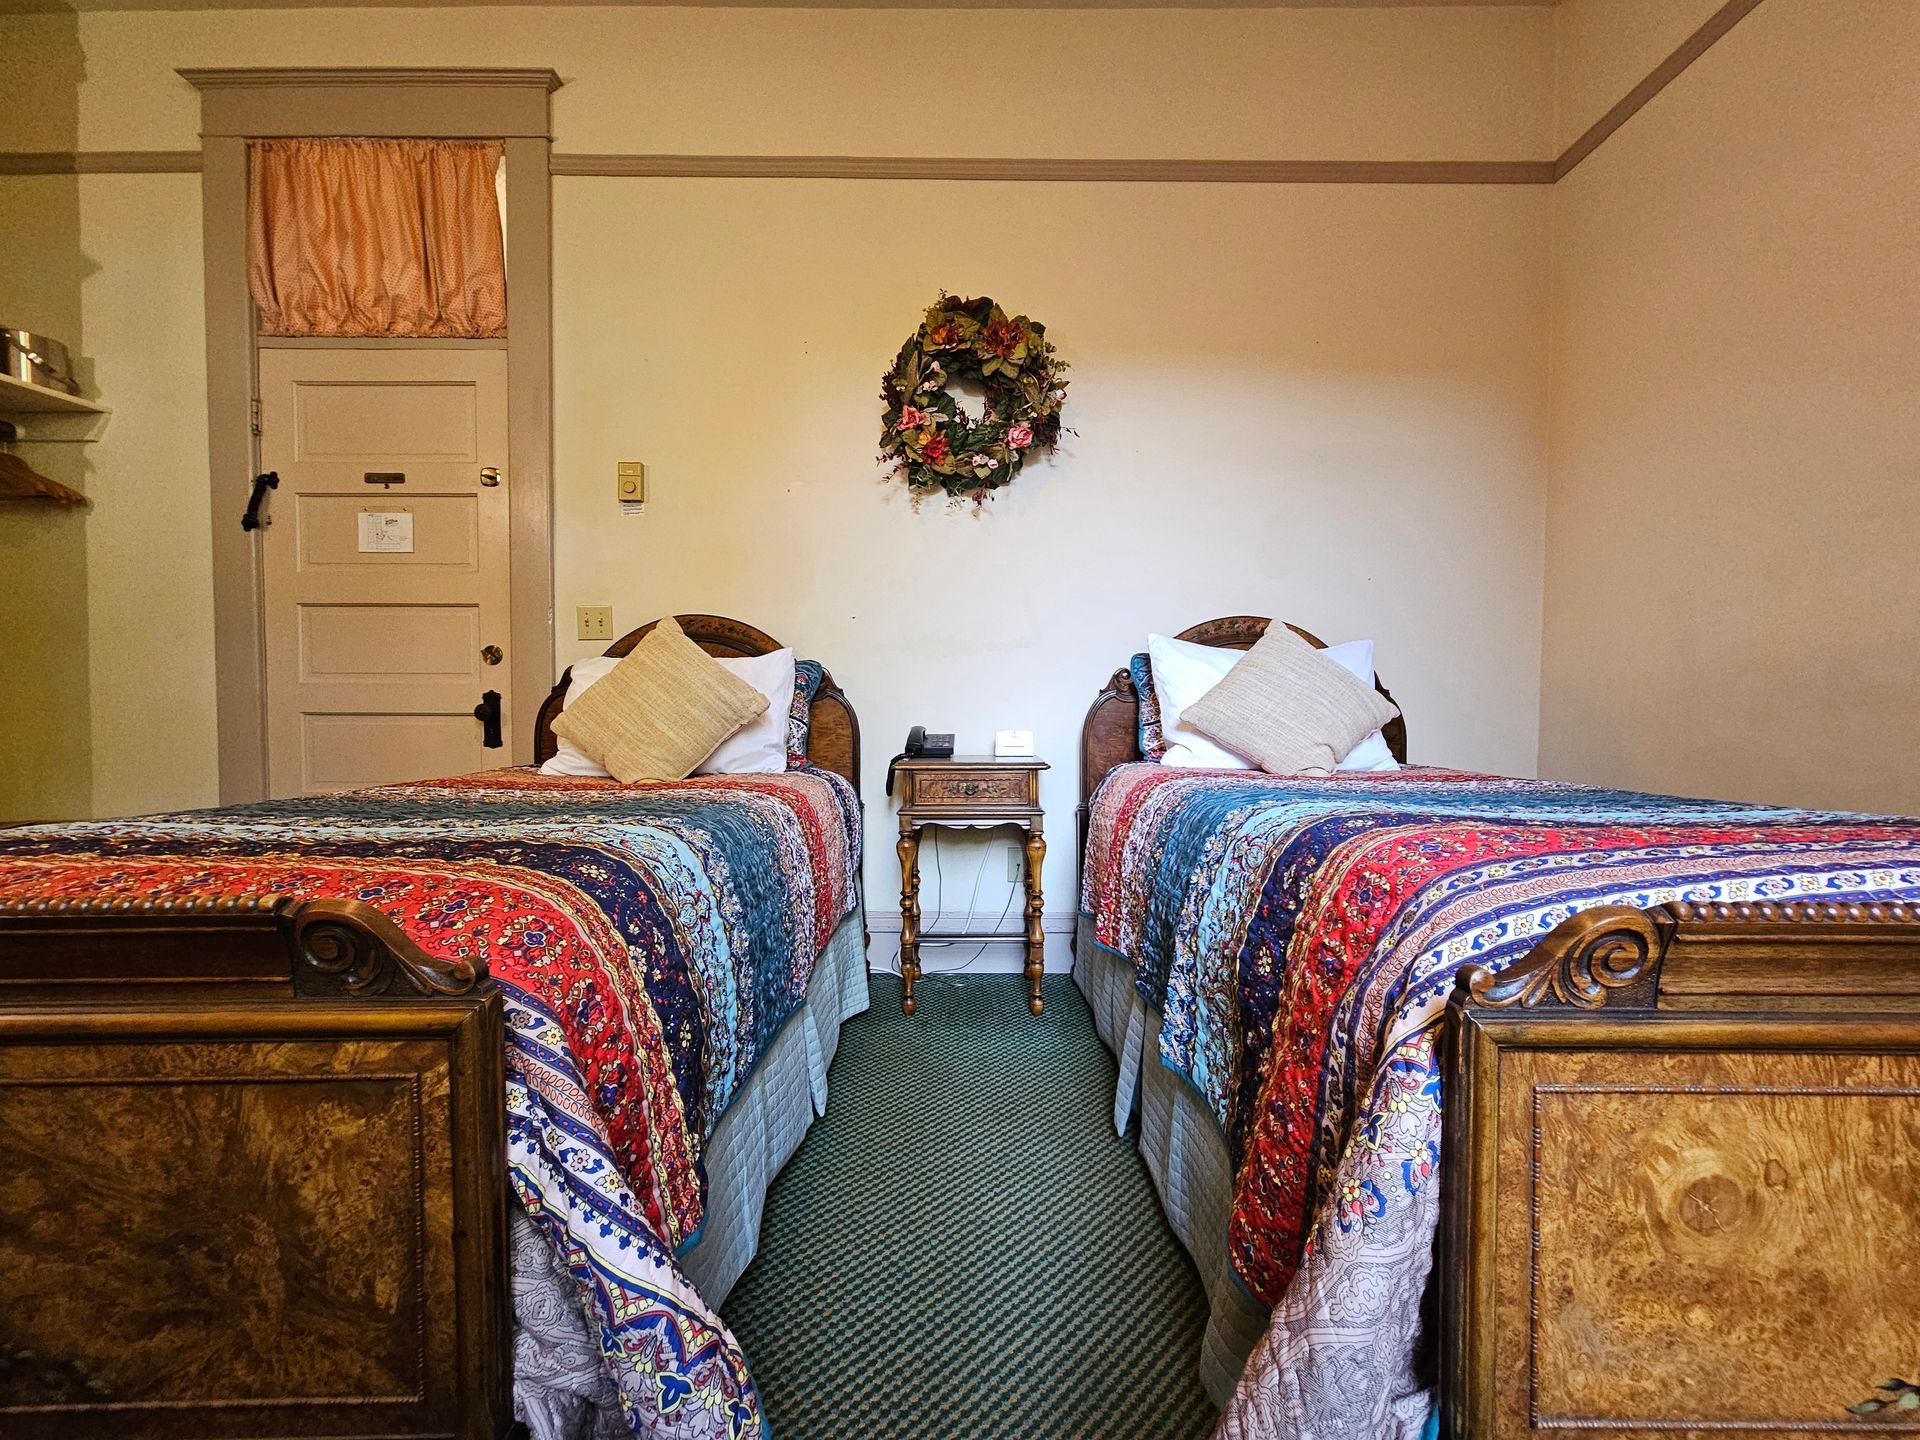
<point x="631" y="486"/>
<point x="1011" y="744"/>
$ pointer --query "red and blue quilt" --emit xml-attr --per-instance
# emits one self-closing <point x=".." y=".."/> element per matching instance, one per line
<point x="1300" y="935"/>
<point x="649" y="941"/>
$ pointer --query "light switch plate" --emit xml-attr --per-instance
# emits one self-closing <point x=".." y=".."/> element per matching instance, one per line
<point x="596" y="622"/>
<point x="630" y="483"/>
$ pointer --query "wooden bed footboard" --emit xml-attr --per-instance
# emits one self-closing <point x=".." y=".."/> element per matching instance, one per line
<point x="251" y="1176"/>
<point x="1681" y="1177"/>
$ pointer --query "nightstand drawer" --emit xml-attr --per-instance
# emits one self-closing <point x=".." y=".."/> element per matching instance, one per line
<point x="958" y="787"/>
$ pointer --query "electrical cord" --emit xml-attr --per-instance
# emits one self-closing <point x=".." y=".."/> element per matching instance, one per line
<point x="939" y="881"/>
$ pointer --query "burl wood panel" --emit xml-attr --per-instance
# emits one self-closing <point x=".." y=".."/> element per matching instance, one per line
<point x="325" y="1166"/>
<point x="1717" y="1241"/>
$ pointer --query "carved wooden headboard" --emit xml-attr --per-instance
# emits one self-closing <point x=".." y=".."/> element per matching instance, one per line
<point x="1111" y="734"/>
<point x="833" y="735"/>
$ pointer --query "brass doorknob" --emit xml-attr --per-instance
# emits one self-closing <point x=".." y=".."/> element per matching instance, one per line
<point x="492" y="654"/>
<point x="490" y="476"/>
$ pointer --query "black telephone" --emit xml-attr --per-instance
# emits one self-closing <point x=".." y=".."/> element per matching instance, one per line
<point x="921" y="746"/>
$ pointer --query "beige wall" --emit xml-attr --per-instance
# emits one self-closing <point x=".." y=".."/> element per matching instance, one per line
<point x="1323" y="402"/>
<point x="46" y="737"/>
<point x="1310" y="400"/>
<point x="150" y="615"/>
<point x="1733" y="603"/>
<point x="1330" y="402"/>
<point x="1392" y="84"/>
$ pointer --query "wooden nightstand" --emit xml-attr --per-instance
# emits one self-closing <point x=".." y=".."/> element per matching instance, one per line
<point x="969" y="792"/>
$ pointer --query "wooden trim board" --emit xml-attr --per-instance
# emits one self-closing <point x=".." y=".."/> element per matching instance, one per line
<point x="1663" y="75"/>
<point x="947" y="167"/>
<point x="100" y="162"/>
<point x="493" y="104"/>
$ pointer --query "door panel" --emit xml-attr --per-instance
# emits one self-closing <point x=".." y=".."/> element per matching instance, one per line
<point x="347" y="752"/>
<point x="347" y="421"/>
<point x="380" y="598"/>
<point x="446" y="533"/>
<point x="381" y="642"/>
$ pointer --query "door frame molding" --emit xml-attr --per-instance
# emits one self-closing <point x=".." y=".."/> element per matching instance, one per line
<point x="237" y="105"/>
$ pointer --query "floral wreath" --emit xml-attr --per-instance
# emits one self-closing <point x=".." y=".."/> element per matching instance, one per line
<point x="929" y="441"/>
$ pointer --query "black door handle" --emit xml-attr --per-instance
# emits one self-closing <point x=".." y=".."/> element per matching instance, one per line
<point x="487" y="712"/>
<point x="261" y="484"/>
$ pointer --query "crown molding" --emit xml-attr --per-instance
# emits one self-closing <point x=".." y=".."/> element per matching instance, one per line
<point x="281" y="76"/>
<point x="100" y="162"/>
<point x="1662" y="75"/>
<point x="420" y="102"/>
<point x="944" y="167"/>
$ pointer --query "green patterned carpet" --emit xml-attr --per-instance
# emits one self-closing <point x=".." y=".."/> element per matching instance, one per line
<point x="963" y="1248"/>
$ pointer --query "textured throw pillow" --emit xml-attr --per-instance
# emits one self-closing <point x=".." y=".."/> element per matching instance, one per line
<point x="808" y="677"/>
<point x="760" y="748"/>
<point x="661" y="711"/>
<point x="1153" y="744"/>
<point x="1372" y="753"/>
<point x="1288" y="707"/>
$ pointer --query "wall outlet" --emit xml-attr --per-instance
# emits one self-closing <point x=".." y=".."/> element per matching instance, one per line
<point x="596" y="622"/>
<point x="1016" y="865"/>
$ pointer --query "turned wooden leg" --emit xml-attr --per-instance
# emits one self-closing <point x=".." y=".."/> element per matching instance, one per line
<point x="1036" y="932"/>
<point x="909" y="848"/>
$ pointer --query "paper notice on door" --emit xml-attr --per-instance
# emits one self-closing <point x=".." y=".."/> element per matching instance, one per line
<point x="386" y="532"/>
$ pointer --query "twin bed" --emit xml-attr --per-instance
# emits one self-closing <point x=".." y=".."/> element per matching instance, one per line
<point x="342" y="1116"/>
<point x="283" y="1086"/>
<point x="1673" y="1045"/>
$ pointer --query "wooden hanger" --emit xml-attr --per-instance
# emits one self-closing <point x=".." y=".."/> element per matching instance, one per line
<point x="20" y="481"/>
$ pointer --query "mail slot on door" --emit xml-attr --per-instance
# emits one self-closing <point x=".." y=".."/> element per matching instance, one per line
<point x="385" y="477"/>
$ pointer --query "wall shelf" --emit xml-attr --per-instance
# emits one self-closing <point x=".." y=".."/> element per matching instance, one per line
<point x="42" y="413"/>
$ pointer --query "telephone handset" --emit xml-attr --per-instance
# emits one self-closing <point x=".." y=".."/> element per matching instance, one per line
<point x="921" y="746"/>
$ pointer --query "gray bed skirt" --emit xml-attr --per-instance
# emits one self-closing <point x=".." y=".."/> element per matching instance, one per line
<point x="1185" y="1153"/>
<point x="560" y="1388"/>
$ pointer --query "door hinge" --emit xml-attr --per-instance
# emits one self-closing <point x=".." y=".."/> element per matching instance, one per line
<point x="254" y="411"/>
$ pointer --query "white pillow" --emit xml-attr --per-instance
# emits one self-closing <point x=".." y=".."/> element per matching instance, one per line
<point x="758" y="749"/>
<point x="1371" y="753"/>
<point x="1184" y="671"/>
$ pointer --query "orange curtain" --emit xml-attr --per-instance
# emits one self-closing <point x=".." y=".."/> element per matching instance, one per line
<point x="376" y="237"/>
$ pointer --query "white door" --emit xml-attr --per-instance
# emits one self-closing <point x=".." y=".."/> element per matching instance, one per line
<point x="385" y="581"/>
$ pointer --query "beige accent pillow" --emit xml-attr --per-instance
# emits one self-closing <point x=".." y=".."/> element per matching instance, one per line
<point x="661" y="711"/>
<point x="1288" y="708"/>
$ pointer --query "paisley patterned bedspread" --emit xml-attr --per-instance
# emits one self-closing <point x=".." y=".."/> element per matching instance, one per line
<point x="649" y="941"/>
<point x="1300" y="936"/>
